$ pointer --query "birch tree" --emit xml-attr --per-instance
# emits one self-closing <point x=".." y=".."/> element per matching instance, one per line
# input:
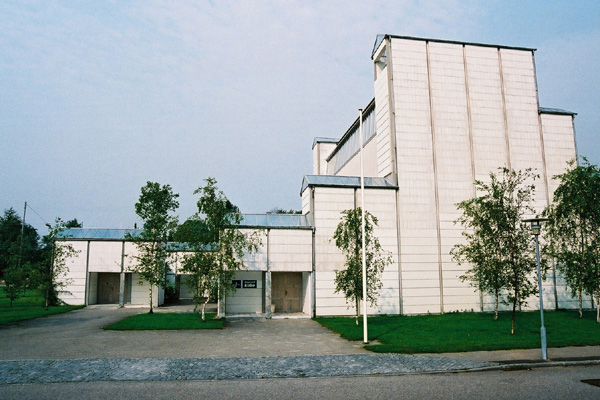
<point x="53" y="270"/>
<point x="348" y="238"/>
<point x="216" y="250"/>
<point x="574" y="229"/>
<point x="154" y="206"/>
<point x="499" y="245"/>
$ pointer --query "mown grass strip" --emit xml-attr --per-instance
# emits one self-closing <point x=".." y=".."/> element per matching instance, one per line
<point x="29" y="306"/>
<point x="460" y="332"/>
<point x="166" y="321"/>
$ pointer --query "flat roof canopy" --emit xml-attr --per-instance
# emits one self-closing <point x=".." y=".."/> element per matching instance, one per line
<point x="346" y="181"/>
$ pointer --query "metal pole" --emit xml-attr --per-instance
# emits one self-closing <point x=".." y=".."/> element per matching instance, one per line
<point x="542" y="328"/>
<point x="362" y="228"/>
<point x="22" y="237"/>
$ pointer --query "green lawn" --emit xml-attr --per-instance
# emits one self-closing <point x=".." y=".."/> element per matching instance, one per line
<point x="27" y="307"/>
<point x="458" y="332"/>
<point x="166" y="321"/>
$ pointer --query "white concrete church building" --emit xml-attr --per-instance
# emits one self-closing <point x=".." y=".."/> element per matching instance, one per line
<point x="444" y="114"/>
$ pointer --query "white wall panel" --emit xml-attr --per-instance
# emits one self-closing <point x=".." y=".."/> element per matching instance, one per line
<point x="246" y="301"/>
<point x="105" y="256"/>
<point x="559" y="146"/>
<point x="74" y="277"/>
<point x="522" y="117"/>
<point x="352" y="167"/>
<point x="290" y="250"/>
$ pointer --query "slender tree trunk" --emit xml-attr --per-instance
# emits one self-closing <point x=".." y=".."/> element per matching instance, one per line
<point x="496" y="306"/>
<point x="597" y="305"/>
<point x="196" y="297"/>
<point x="514" y="313"/>
<point x="357" y="308"/>
<point x="204" y="308"/>
<point x="151" y="309"/>
<point x="50" y="277"/>
<point x="580" y="297"/>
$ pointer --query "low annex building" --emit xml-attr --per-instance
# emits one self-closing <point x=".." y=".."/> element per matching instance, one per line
<point x="444" y="114"/>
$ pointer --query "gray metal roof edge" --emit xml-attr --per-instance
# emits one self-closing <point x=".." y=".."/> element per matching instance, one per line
<point x="389" y="185"/>
<point x="310" y="227"/>
<point x="323" y="140"/>
<point x="346" y="135"/>
<point x="61" y="235"/>
<point x="496" y="46"/>
<point x="557" y="111"/>
<point x="259" y="226"/>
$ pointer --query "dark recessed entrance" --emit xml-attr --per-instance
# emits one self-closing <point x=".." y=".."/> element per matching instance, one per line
<point x="286" y="291"/>
<point x="108" y="288"/>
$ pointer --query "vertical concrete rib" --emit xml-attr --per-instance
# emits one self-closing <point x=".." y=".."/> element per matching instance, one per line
<point x="504" y="112"/>
<point x="392" y="112"/>
<point x="471" y="145"/>
<point x="86" y="300"/>
<point x="435" y="180"/>
<point x="268" y="295"/>
<point x="394" y="149"/>
<point x="314" y="278"/>
<point x="122" y="277"/>
<point x="575" y="140"/>
<point x="399" y="242"/>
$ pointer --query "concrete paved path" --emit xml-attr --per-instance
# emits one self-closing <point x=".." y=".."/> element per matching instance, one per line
<point x="79" y="334"/>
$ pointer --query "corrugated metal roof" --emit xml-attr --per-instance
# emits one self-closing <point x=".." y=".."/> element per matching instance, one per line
<point x="96" y="233"/>
<point x="558" y="111"/>
<point x="345" y="181"/>
<point x="274" y="221"/>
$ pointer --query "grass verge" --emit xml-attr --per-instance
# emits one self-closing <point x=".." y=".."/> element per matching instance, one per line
<point x="166" y="321"/>
<point x="459" y="332"/>
<point x="28" y="306"/>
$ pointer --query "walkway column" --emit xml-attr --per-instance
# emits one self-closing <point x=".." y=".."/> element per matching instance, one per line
<point x="268" y="296"/>
<point x="122" y="280"/>
<point x="86" y="301"/>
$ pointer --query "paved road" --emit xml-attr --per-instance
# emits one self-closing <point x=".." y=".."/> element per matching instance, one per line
<point x="542" y="383"/>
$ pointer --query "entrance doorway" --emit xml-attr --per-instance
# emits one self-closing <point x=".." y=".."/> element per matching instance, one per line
<point x="286" y="291"/>
<point x="108" y="288"/>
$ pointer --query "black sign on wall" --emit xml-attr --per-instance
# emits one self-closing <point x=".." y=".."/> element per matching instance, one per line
<point x="250" y="284"/>
<point x="236" y="283"/>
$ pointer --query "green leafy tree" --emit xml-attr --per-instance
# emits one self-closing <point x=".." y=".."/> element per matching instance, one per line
<point x="348" y="238"/>
<point x="52" y="272"/>
<point x="499" y="245"/>
<point x="14" y="280"/>
<point x="14" y="248"/>
<point x="201" y="278"/>
<point x="277" y="210"/>
<point x="154" y="206"/>
<point x="574" y="227"/>
<point x="215" y="250"/>
<point x="193" y="229"/>
<point x="73" y="223"/>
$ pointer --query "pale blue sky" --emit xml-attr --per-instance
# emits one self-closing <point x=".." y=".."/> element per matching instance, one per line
<point x="96" y="98"/>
